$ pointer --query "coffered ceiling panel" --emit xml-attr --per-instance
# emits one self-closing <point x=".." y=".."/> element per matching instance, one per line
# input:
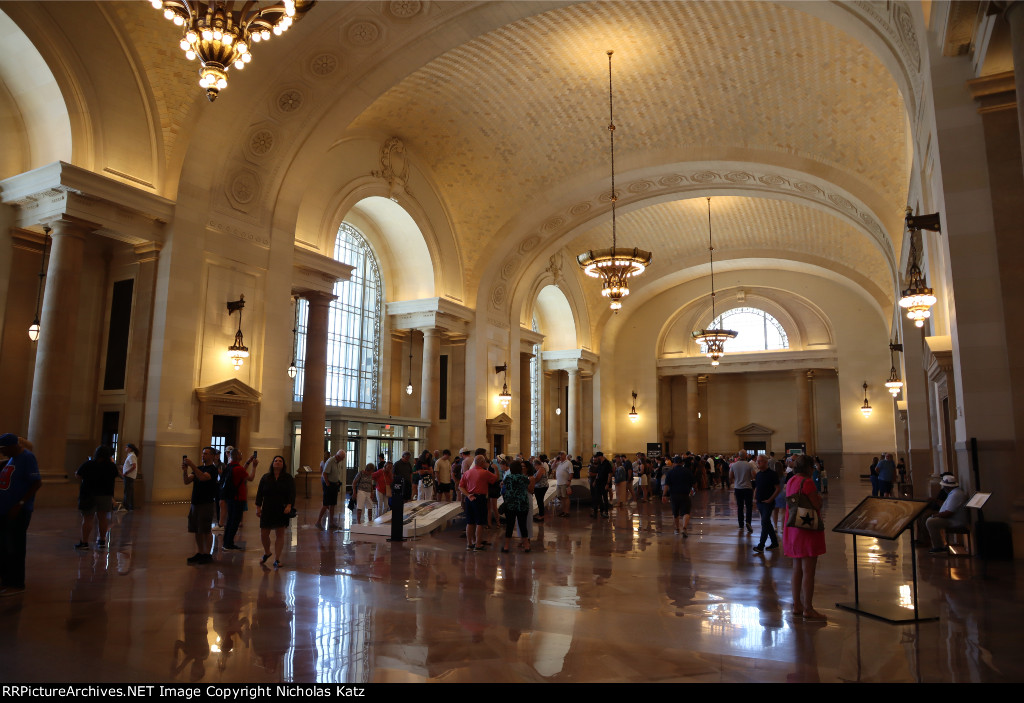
<point x="510" y="118"/>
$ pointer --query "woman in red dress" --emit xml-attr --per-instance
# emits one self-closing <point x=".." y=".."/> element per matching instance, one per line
<point x="803" y="546"/>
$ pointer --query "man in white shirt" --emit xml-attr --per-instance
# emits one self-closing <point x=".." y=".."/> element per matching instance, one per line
<point x="741" y="472"/>
<point x="952" y="514"/>
<point x="563" y="479"/>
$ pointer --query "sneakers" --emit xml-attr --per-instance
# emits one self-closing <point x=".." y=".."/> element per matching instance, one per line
<point x="750" y="529"/>
<point x="82" y="546"/>
<point x="772" y="547"/>
<point x="231" y="548"/>
<point x="759" y="549"/>
<point x="194" y="559"/>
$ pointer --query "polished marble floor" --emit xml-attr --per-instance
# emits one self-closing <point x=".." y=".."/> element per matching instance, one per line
<point x="621" y="599"/>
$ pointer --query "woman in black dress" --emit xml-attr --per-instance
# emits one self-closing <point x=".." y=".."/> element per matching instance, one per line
<point x="274" y="500"/>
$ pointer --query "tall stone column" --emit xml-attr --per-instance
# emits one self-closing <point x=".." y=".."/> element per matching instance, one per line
<point x="144" y="293"/>
<point x="525" y="403"/>
<point x="804" y="425"/>
<point x="314" y="385"/>
<point x="431" y="395"/>
<point x="916" y="389"/>
<point x="1015" y="17"/>
<point x="457" y="391"/>
<point x="575" y="403"/>
<point x="692" y="427"/>
<point x="51" y="384"/>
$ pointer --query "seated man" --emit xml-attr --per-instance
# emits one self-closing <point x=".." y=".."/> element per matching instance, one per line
<point x="952" y="514"/>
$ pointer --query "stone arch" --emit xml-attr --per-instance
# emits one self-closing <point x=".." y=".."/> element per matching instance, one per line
<point x="31" y="105"/>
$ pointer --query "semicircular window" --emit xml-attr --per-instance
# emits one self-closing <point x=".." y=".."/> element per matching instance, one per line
<point x="757" y="330"/>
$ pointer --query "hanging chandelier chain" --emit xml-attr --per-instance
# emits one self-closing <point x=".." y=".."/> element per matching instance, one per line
<point x="711" y="255"/>
<point x="611" y="140"/>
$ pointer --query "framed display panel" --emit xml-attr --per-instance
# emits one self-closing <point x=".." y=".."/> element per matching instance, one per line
<point x="883" y="518"/>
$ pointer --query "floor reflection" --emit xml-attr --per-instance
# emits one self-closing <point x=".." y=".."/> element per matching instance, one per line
<point x="620" y="599"/>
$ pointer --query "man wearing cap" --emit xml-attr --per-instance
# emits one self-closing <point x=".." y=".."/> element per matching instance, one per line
<point x="951" y="515"/>
<point x="19" y="483"/>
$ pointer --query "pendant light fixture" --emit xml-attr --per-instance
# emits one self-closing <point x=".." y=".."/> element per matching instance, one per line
<point x="617" y="264"/>
<point x="712" y="341"/>
<point x="33" y="330"/>
<point x="866" y="408"/>
<point x="634" y="416"/>
<point x="408" y="387"/>
<point x="238" y="352"/>
<point x="292" y="368"/>
<point x="558" y="401"/>
<point x="917" y="298"/>
<point x="894" y="384"/>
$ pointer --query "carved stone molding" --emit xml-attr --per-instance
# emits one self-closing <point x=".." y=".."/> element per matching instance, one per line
<point x="394" y="167"/>
<point x="247" y="235"/>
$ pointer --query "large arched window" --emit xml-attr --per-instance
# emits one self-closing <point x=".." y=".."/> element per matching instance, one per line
<point x="353" y="328"/>
<point x="758" y="331"/>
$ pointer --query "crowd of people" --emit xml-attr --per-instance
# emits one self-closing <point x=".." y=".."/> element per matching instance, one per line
<point x="787" y="494"/>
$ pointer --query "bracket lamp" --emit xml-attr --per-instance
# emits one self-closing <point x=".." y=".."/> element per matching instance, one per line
<point x="505" y="398"/>
<point x="634" y="416"/>
<point x="238" y="352"/>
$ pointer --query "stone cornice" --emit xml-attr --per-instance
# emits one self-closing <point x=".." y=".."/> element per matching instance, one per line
<point x="752" y="362"/>
<point x="59" y="189"/>
<point x="569" y="360"/>
<point x="428" y="313"/>
<point x="312" y="271"/>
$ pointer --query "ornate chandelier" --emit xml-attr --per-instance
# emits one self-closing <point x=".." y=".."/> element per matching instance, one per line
<point x="220" y="34"/>
<point x="917" y="298"/>
<point x="712" y="341"/>
<point x="617" y="264"/>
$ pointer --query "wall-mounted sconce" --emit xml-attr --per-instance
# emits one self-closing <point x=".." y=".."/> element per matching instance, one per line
<point x="866" y="408"/>
<point x="408" y="386"/>
<point x="33" y="330"/>
<point x="634" y="416"/>
<point x="238" y="352"/>
<point x="505" y="398"/>
<point x="894" y="384"/>
<point x="292" y="368"/>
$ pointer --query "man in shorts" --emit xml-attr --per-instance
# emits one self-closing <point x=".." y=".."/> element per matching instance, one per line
<point x="331" y="479"/>
<point x="204" y="498"/>
<point x="473" y="486"/>
<point x="563" y="481"/>
<point x="443" y="474"/>
<point x="678" y="487"/>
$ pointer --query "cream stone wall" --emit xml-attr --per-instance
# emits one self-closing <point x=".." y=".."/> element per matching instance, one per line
<point x="631" y="343"/>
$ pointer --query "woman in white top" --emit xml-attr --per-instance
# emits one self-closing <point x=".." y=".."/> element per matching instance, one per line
<point x="130" y="472"/>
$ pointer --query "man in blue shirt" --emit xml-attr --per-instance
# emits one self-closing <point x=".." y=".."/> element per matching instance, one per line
<point x="19" y="483"/>
<point x="678" y="488"/>
<point x="886" y="470"/>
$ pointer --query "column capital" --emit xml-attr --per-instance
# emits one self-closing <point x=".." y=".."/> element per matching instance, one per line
<point x="315" y="296"/>
<point x="68" y="226"/>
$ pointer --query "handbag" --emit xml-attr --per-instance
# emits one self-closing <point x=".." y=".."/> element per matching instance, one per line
<point x="802" y="513"/>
